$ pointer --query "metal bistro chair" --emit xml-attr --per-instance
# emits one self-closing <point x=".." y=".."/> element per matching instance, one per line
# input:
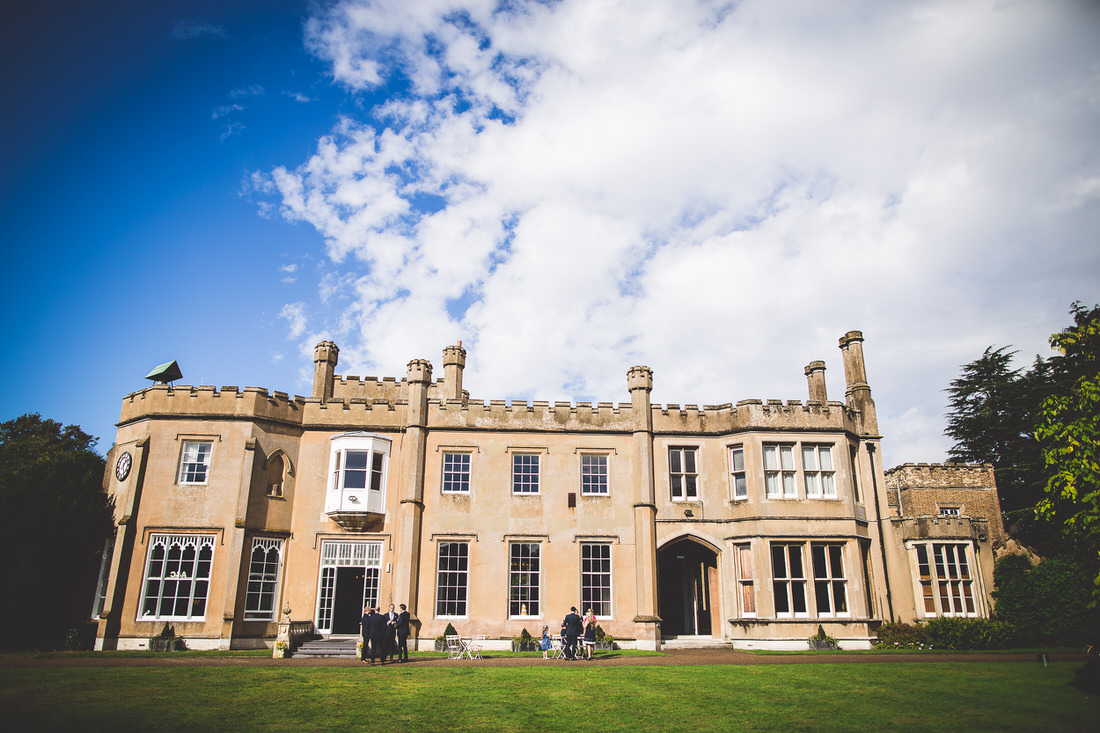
<point x="557" y="646"/>
<point x="453" y="646"/>
<point x="474" y="645"/>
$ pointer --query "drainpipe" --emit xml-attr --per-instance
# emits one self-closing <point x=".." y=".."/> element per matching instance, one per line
<point x="881" y="537"/>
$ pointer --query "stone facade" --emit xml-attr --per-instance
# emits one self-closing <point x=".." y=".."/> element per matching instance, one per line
<point x="748" y="523"/>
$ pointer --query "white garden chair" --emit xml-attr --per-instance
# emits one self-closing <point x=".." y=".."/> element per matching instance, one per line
<point x="474" y="645"/>
<point x="453" y="647"/>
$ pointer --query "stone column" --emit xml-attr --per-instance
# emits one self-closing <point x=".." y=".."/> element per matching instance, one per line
<point x="639" y="381"/>
<point x="410" y="510"/>
<point x="234" y="540"/>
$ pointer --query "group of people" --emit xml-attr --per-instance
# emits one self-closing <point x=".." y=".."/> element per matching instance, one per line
<point x="385" y="635"/>
<point x="573" y="628"/>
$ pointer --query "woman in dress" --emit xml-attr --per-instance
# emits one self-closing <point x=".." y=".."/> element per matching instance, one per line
<point x="589" y="632"/>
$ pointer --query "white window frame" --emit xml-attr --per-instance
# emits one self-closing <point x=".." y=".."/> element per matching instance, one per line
<point x="262" y="591"/>
<point x="831" y="596"/>
<point x="818" y="471"/>
<point x="526" y="482"/>
<point x="372" y="496"/>
<point x="949" y="511"/>
<point x="457" y="467"/>
<point x="194" y="468"/>
<point x="162" y="573"/>
<point x="780" y="472"/>
<point x="788" y="582"/>
<point x="683" y="480"/>
<point x="524" y="582"/>
<point x="595" y="474"/>
<point x="945" y="579"/>
<point x="452" y="582"/>
<point x="597" y="589"/>
<point x="738" y="478"/>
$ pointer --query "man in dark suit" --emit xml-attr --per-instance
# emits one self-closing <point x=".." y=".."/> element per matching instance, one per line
<point x="402" y="629"/>
<point x="390" y="650"/>
<point x="364" y="628"/>
<point x="376" y="630"/>
<point x="573" y="629"/>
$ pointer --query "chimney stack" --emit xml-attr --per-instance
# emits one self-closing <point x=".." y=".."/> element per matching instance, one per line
<point x="815" y="377"/>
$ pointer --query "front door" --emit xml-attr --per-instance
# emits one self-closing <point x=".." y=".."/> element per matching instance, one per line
<point x="687" y="576"/>
<point x="347" y="608"/>
<point x="349" y="578"/>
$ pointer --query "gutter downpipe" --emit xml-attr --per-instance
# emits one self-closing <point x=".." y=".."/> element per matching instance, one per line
<point x="881" y="537"/>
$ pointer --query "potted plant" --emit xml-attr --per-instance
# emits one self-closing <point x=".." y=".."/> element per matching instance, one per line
<point x="441" y="641"/>
<point x="167" y="641"/>
<point x="524" y="643"/>
<point x="604" y="641"/>
<point x="822" y="642"/>
<point x="281" y="649"/>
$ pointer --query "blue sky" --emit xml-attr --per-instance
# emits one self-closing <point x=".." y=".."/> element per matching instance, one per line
<point x="717" y="190"/>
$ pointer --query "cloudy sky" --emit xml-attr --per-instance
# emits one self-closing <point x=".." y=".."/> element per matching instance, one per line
<point x="718" y="190"/>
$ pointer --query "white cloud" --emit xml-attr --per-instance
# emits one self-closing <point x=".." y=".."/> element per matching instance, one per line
<point x="224" y="110"/>
<point x="295" y="316"/>
<point x="719" y="191"/>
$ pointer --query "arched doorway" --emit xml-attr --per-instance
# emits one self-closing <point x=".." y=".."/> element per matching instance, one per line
<point x="687" y="583"/>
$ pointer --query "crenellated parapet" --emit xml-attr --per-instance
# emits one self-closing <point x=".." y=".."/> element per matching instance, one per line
<point x="754" y="415"/>
<point x="533" y="416"/>
<point x="204" y="401"/>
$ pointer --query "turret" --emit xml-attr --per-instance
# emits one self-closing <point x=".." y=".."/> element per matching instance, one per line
<point x="639" y="380"/>
<point x="418" y="375"/>
<point x="815" y="377"/>
<point x="858" y="392"/>
<point x="325" y="356"/>
<point x="454" y="361"/>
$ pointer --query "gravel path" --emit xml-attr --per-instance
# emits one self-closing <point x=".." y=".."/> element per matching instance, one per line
<point x="605" y="659"/>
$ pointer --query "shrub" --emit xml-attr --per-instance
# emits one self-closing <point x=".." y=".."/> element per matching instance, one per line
<point x="903" y="636"/>
<point x="81" y="637"/>
<point x="1049" y="603"/>
<point x="449" y="631"/>
<point x="970" y="633"/>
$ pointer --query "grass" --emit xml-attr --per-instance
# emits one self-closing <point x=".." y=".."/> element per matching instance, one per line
<point x="948" y="696"/>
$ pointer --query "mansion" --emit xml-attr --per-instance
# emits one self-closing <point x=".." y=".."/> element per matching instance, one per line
<point x="749" y="524"/>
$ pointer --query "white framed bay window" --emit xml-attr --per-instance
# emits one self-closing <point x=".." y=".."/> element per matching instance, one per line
<point x="177" y="577"/>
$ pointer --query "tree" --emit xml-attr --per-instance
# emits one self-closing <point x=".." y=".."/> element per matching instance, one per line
<point x="57" y="517"/>
<point x="1068" y="429"/>
<point x="993" y="409"/>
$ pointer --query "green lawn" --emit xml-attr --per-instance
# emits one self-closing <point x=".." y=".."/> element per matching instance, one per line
<point x="949" y="696"/>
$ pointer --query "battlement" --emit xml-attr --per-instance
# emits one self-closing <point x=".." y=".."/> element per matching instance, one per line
<point x="383" y="403"/>
<point x="942" y="475"/>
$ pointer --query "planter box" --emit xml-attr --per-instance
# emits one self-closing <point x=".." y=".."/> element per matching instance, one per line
<point x="525" y="646"/>
<point x="167" y="645"/>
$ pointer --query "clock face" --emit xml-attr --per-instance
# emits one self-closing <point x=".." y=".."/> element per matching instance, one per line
<point x="122" y="468"/>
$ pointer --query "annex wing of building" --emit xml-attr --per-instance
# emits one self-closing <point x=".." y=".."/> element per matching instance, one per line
<point x="752" y="523"/>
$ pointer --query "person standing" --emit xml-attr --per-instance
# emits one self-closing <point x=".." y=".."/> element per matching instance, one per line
<point x="573" y="630"/>
<point x="376" y="630"/>
<point x="402" y="629"/>
<point x="364" y="628"/>
<point x="547" y="645"/>
<point x="589" y="633"/>
<point x="390" y="649"/>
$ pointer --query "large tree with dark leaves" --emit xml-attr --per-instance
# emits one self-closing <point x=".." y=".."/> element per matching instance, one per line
<point x="992" y="418"/>
<point x="56" y="517"/>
